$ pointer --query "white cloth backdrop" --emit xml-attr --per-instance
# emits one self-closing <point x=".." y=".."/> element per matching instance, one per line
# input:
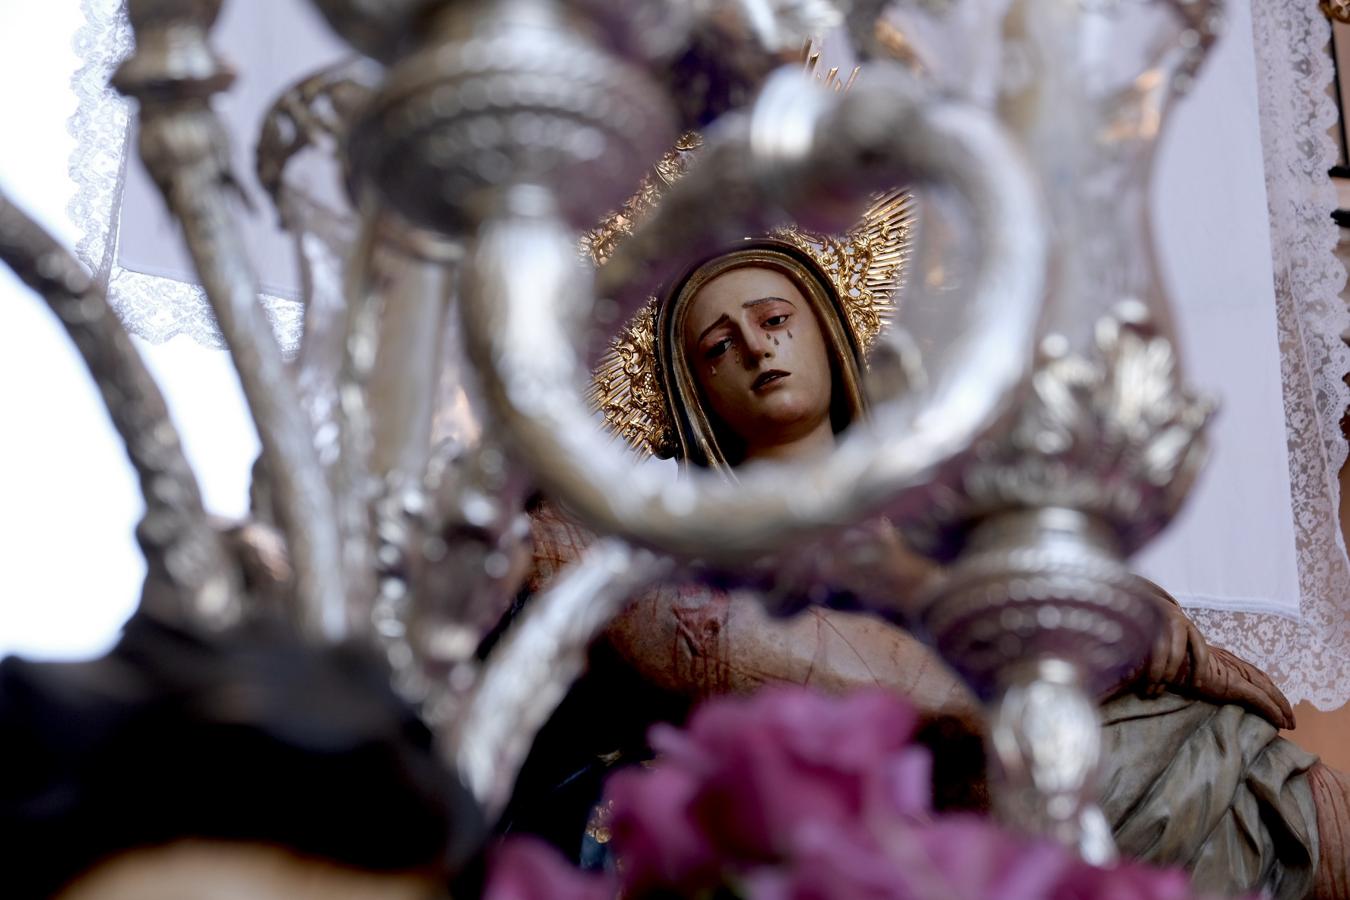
<point x="1242" y="207"/>
<point x="1310" y="655"/>
<point x="1233" y="546"/>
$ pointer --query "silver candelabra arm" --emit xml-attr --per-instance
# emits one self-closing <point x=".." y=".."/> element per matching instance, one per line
<point x="192" y="575"/>
<point x="525" y="299"/>
<point x="529" y="673"/>
<point x="173" y="74"/>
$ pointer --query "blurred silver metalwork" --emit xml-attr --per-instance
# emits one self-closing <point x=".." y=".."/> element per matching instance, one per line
<point x="1039" y="610"/>
<point x="441" y="376"/>
<point x="191" y="576"/>
<point x="173" y="74"/>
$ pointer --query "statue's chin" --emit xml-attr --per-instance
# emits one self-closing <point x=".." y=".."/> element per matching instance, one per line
<point x="784" y="421"/>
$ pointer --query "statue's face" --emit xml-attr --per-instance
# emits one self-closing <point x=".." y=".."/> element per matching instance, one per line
<point x="757" y="352"/>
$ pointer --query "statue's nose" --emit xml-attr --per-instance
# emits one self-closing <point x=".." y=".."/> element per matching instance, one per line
<point x="759" y="345"/>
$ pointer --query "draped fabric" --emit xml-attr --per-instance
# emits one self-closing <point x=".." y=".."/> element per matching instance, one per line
<point x="1257" y="555"/>
<point x="1248" y="823"/>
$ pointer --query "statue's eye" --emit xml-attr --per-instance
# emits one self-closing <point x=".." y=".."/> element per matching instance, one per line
<point x="775" y="321"/>
<point x="718" y="348"/>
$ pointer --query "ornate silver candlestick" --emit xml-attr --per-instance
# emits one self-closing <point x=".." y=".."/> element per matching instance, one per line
<point x="1039" y="612"/>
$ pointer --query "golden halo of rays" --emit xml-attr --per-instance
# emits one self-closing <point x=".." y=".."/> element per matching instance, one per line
<point x="866" y="265"/>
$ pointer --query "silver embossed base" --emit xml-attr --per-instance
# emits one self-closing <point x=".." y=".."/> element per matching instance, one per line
<point x="1046" y="743"/>
<point x="502" y="94"/>
<point x="1041" y="583"/>
<point x="1041" y="617"/>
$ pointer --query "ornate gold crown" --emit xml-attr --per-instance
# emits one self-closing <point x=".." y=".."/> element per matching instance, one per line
<point x="866" y="266"/>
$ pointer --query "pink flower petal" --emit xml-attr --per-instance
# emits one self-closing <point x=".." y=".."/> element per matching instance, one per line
<point x="526" y="868"/>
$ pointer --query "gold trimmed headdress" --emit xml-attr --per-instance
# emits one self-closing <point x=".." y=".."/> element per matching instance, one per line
<point x="865" y="266"/>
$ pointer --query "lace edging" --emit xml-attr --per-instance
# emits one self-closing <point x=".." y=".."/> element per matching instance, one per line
<point x="101" y="126"/>
<point x="160" y="309"/>
<point x="154" y="308"/>
<point x="1310" y="658"/>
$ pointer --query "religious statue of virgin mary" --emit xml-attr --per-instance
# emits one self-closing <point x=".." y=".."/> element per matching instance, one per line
<point x="756" y="354"/>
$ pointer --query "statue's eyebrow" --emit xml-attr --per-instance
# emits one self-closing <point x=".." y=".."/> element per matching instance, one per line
<point x="746" y="305"/>
<point x="720" y="319"/>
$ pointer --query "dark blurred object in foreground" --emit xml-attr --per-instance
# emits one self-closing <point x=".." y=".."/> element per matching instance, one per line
<point x="249" y="738"/>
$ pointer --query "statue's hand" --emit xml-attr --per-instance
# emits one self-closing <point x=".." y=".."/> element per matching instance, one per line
<point x="1230" y="679"/>
<point x="1183" y="661"/>
<point x="1178" y="651"/>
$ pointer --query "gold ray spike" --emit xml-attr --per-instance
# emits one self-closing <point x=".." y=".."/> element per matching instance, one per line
<point x="830" y="80"/>
<point x="810" y="56"/>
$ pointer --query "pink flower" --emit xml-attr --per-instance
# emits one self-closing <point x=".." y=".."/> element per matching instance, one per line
<point x="951" y="858"/>
<point x="764" y="766"/>
<point x="830" y="863"/>
<point x="1125" y="881"/>
<point x="974" y="858"/>
<point x="525" y="868"/>
<point x="654" y="832"/>
<point x="906" y="785"/>
<point x="790" y="795"/>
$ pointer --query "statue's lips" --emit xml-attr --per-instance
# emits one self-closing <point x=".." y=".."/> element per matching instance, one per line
<point x="773" y="376"/>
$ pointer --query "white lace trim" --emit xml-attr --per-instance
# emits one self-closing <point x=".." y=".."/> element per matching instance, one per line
<point x="1310" y="659"/>
<point x="101" y="127"/>
<point x="152" y="307"/>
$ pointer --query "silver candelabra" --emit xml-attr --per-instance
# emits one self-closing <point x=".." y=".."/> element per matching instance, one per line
<point x="1050" y="436"/>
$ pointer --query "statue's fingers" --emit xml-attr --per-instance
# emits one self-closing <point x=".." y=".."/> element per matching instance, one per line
<point x="1248" y="686"/>
<point x="1157" y="674"/>
<point x="1177" y="637"/>
<point x="1285" y="708"/>
<point x="1266" y="685"/>
<point x="1199" y="651"/>
<point x="1157" y="663"/>
<point x="1181" y="648"/>
<point x="1263" y="704"/>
